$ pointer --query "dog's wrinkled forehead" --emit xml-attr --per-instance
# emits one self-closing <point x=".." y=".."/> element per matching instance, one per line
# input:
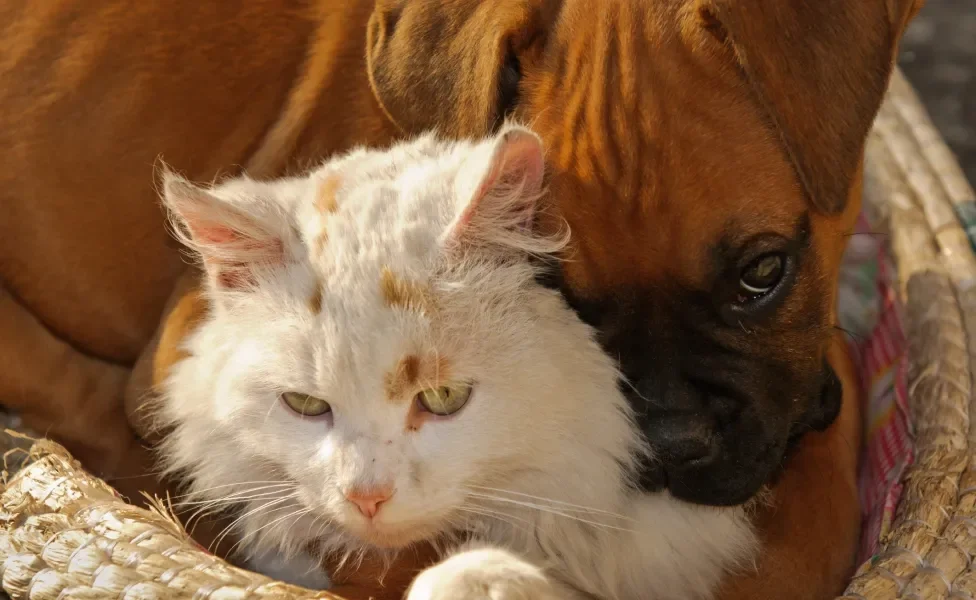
<point x="654" y="175"/>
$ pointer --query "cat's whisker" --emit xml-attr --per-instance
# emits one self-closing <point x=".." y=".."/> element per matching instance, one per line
<point x="322" y="527"/>
<point x="500" y="516"/>
<point x="557" y="503"/>
<point x="341" y="562"/>
<point x="204" y="511"/>
<point x="351" y="557"/>
<point x="315" y="521"/>
<point x="240" y="497"/>
<point x="492" y="512"/>
<point x="211" y="506"/>
<point x="572" y="513"/>
<point x="549" y="510"/>
<point x="269" y="507"/>
<point x="243" y="540"/>
<point x="271" y="407"/>
<point x="215" y="506"/>
<point x="263" y="507"/>
<point x="199" y="491"/>
<point x="296" y="515"/>
<point x="632" y="387"/>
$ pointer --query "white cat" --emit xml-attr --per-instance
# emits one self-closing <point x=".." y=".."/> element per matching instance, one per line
<point x="380" y="367"/>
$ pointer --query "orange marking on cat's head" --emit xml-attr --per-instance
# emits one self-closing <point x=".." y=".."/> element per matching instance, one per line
<point x="402" y="293"/>
<point x="326" y="200"/>
<point x="315" y="300"/>
<point x="413" y="373"/>
<point x="319" y="242"/>
<point x="403" y="377"/>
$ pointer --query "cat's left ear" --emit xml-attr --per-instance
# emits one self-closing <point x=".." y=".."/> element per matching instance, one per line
<point x="498" y="188"/>
<point x="233" y="241"/>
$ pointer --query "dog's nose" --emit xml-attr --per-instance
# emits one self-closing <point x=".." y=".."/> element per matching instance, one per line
<point x="678" y="422"/>
<point x="682" y="439"/>
<point x="368" y="500"/>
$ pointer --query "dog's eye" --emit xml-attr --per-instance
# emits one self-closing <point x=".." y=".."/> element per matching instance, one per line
<point x="445" y="400"/>
<point x="508" y="87"/>
<point x="305" y="405"/>
<point x="762" y="275"/>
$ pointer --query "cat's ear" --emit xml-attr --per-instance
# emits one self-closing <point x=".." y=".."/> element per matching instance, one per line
<point x="498" y="189"/>
<point x="233" y="241"/>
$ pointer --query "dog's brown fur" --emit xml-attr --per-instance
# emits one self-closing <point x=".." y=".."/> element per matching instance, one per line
<point x="670" y="125"/>
<point x="809" y="531"/>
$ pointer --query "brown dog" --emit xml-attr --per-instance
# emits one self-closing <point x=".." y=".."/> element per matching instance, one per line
<point x="705" y="153"/>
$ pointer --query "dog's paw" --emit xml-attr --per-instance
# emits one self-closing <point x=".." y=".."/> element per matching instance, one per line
<point x="487" y="574"/>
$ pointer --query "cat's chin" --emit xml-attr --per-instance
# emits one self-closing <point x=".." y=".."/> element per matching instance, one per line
<point x="389" y="537"/>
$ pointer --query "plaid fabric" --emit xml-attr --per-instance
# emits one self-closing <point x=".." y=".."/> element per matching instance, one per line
<point x="868" y="308"/>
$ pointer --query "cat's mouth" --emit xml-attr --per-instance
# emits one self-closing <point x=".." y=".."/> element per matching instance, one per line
<point x="389" y="536"/>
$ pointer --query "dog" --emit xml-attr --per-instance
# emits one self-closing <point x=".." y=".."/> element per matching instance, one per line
<point x="705" y="153"/>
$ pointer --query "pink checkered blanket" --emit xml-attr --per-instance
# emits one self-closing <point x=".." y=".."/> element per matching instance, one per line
<point x="870" y="312"/>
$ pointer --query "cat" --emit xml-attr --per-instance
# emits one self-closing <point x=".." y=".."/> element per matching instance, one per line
<point x="381" y="366"/>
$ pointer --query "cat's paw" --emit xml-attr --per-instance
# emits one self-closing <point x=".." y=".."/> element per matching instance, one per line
<point x="487" y="574"/>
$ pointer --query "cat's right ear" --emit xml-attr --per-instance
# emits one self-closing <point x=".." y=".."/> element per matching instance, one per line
<point x="232" y="242"/>
<point x="499" y="189"/>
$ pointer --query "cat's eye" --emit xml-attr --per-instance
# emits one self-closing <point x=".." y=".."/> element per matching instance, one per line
<point x="305" y="405"/>
<point x="444" y="400"/>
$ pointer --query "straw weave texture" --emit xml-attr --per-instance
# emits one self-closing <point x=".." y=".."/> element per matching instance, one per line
<point x="65" y="534"/>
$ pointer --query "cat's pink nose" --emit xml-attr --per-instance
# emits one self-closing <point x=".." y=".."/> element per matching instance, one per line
<point x="368" y="500"/>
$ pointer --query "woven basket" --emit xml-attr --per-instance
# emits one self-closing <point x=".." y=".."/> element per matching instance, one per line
<point x="66" y="534"/>
<point x="918" y="190"/>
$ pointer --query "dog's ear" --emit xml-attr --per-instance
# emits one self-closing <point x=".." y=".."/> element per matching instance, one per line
<point x="451" y="66"/>
<point x="819" y="69"/>
<point x="900" y="14"/>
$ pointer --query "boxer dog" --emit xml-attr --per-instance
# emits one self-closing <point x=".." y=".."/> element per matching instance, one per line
<point x="706" y="154"/>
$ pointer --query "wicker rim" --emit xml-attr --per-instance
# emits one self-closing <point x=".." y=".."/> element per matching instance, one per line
<point x="66" y="534"/>
<point x="914" y="182"/>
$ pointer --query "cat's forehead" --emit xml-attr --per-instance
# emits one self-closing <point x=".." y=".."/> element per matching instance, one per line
<point x="371" y="223"/>
<point x="381" y="210"/>
<point x="385" y="162"/>
<point x="422" y="162"/>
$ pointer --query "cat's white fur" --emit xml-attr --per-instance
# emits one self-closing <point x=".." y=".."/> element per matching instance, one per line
<point x="535" y="472"/>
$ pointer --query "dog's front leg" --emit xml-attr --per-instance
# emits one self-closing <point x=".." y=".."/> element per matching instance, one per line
<point x="64" y="394"/>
